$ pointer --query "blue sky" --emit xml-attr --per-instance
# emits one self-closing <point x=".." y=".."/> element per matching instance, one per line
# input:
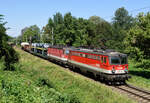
<point x="23" y="13"/>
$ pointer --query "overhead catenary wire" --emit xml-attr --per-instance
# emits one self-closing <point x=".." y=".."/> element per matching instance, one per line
<point x="131" y="11"/>
<point x="134" y="10"/>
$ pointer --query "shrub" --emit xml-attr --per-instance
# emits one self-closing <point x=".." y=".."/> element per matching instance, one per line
<point x="43" y="81"/>
<point x="23" y="90"/>
<point x="144" y="63"/>
<point x="6" y="51"/>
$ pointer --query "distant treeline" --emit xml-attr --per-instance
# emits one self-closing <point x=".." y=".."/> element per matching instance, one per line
<point x="124" y="33"/>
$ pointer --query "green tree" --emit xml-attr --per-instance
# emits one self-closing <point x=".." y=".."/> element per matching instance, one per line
<point x="75" y="31"/>
<point x="58" y="19"/>
<point x="72" y="31"/>
<point x="121" y="24"/>
<point x="69" y="32"/>
<point x="31" y="34"/>
<point x="47" y="31"/>
<point x="96" y="19"/>
<point x="101" y="32"/>
<point x="6" y="51"/>
<point x="81" y="34"/>
<point x="122" y="19"/>
<point x="46" y="35"/>
<point x="58" y="28"/>
<point x="138" y="41"/>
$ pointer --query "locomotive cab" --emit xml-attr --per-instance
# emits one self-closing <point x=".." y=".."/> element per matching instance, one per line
<point x="119" y="63"/>
<point x="118" y="66"/>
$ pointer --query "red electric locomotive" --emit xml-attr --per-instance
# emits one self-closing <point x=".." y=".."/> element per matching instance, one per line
<point x="59" y="54"/>
<point x="105" y="65"/>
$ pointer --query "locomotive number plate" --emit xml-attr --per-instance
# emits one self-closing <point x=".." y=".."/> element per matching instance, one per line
<point x="120" y="71"/>
<point x="119" y="67"/>
<point x="97" y="65"/>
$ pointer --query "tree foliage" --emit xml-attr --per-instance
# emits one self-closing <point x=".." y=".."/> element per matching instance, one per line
<point x="138" y="40"/>
<point x="121" y="24"/>
<point x="102" y="32"/>
<point x="94" y="32"/>
<point x="122" y="19"/>
<point x="31" y="34"/>
<point x="67" y="30"/>
<point x="6" y="51"/>
<point x="96" y="19"/>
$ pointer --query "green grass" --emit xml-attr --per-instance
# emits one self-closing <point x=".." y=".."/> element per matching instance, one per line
<point x="39" y="81"/>
<point x="140" y="76"/>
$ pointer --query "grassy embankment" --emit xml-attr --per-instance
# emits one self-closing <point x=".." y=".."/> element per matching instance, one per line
<point x="39" y="81"/>
<point x="140" y="76"/>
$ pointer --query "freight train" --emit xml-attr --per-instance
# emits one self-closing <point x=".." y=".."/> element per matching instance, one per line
<point x="106" y="65"/>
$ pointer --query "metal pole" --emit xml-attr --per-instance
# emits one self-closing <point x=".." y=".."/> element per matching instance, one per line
<point x="16" y="40"/>
<point x="52" y="37"/>
<point x="26" y="38"/>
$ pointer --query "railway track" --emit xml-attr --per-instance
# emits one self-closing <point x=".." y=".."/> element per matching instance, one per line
<point x="138" y="94"/>
<point x="135" y="93"/>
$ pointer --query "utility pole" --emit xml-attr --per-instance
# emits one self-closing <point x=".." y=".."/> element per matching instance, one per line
<point x="52" y="37"/>
<point x="16" y="41"/>
<point x="26" y="38"/>
<point x="30" y="39"/>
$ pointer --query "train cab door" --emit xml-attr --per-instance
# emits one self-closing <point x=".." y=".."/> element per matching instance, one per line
<point x="69" y="55"/>
<point x="103" y="62"/>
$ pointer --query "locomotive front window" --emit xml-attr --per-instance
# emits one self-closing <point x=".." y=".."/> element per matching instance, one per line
<point x="115" y="60"/>
<point x="124" y="60"/>
<point x="118" y="60"/>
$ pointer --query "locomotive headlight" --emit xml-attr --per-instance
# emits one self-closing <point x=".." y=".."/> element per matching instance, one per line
<point x="126" y="70"/>
<point x="113" y="70"/>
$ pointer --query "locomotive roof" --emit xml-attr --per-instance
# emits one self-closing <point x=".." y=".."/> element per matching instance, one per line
<point x="60" y="47"/>
<point x="107" y="52"/>
<point x="101" y="52"/>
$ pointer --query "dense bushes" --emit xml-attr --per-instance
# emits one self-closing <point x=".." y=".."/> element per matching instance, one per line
<point x="138" y="41"/>
<point x="7" y="53"/>
<point x="20" y="89"/>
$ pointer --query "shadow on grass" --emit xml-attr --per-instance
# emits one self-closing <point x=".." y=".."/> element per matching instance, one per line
<point x="144" y="74"/>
